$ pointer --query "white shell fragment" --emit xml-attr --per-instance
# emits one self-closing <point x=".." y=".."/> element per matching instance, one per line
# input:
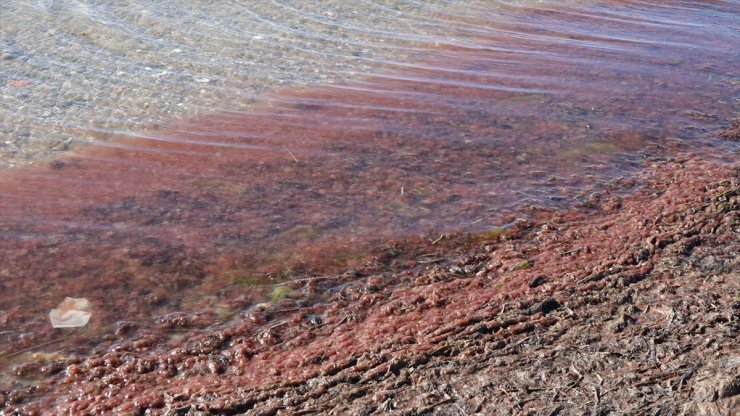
<point x="72" y="313"/>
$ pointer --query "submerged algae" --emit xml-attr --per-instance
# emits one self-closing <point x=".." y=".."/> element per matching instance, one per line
<point x="398" y="312"/>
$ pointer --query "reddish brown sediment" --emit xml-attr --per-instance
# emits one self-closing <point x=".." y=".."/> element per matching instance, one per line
<point x="469" y="302"/>
<point x="191" y="216"/>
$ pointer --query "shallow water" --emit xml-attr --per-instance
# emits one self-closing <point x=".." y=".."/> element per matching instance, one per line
<point x="451" y="118"/>
<point x="68" y="65"/>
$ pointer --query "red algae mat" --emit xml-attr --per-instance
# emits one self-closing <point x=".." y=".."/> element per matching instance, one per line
<point x="211" y="248"/>
<point x="416" y="304"/>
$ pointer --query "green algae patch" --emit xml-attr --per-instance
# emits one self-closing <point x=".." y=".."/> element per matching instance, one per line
<point x="224" y="186"/>
<point x="281" y="293"/>
<point x="303" y="232"/>
<point x="602" y="147"/>
<point x="251" y="280"/>
<point x="578" y="114"/>
<point x="496" y="232"/>
<point x="524" y="99"/>
<point x="587" y="149"/>
<point x="522" y="265"/>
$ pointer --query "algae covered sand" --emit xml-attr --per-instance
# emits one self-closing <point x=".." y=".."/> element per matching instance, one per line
<point x="629" y="305"/>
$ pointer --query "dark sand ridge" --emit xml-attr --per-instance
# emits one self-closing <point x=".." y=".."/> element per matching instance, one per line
<point x="151" y="222"/>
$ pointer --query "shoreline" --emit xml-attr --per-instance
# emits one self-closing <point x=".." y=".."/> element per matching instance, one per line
<point x="466" y="311"/>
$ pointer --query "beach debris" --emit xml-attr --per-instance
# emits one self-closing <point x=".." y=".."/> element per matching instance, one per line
<point x="537" y="281"/>
<point x="71" y="313"/>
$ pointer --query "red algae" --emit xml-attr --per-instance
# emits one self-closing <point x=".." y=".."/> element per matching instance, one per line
<point x="396" y="311"/>
<point x="178" y="234"/>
